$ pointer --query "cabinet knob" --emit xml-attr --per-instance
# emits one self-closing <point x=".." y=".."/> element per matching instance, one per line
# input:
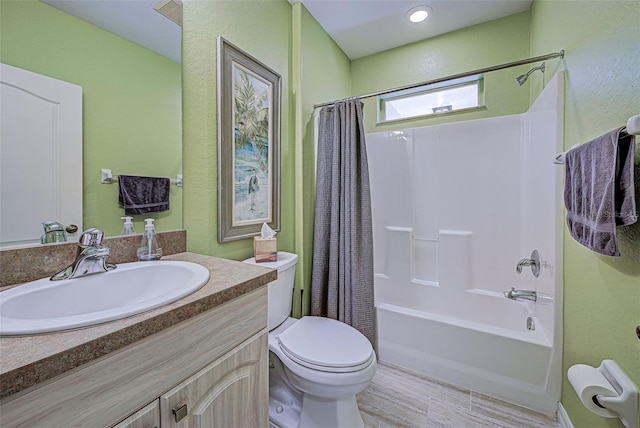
<point x="180" y="412"/>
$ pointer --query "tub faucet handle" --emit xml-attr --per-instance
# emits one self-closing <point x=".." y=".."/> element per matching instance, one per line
<point x="534" y="262"/>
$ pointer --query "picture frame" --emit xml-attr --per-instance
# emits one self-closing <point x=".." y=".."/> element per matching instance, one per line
<point x="249" y="106"/>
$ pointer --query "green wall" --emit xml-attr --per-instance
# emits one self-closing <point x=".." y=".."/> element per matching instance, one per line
<point x="290" y="41"/>
<point x="484" y="45"/>
<point x="601" y="294"/>
<point x="262" y="28"/>
<point x="131" y="103"/>
<point x="321" y="72"/>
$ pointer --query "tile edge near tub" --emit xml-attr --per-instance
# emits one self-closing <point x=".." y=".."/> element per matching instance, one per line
<point x="88" y="344"/>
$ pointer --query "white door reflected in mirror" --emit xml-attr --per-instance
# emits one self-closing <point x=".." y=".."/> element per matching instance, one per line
<point x="40" y="155"/>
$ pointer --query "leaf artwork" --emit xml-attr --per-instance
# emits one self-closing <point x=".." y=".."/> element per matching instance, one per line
<point x="251" y="118"/>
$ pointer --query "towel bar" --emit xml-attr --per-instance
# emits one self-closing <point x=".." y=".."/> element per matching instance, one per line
<point x="633" y="125"/>
<point x="106" y="177"/>
<point x="633" y="128"/>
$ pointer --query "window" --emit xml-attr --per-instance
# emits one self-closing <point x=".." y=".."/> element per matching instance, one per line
<point x="450" y="96"/>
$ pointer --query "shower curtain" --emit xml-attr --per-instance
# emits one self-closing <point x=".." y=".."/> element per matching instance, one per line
<point x="342" y="272"/>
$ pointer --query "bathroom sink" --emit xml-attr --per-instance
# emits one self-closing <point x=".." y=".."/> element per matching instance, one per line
<point x="44" y="306"/>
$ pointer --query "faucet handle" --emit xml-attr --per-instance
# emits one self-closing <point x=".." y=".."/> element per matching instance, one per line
<point x="52" y="226"/>
<point x="534" y="262"/>
<point x="91" y="237"/>
<point x="53" y="232"/>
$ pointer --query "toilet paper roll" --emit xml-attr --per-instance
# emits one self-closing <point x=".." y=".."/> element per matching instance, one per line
<point x="589" y="382"/>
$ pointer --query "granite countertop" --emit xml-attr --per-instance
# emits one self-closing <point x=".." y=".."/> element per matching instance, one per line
<point x="28" y="360"/>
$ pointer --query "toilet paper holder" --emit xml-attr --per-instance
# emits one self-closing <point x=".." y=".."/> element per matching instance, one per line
<point x="624" y="405"/>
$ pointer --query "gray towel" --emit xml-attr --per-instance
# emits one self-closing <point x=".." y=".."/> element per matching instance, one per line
<point x="143" y="195"/>
<point x="599" y="191"/>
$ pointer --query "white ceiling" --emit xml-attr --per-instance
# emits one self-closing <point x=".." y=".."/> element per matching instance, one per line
<point x="364" y="27"/>
<point x="359" y="27"/>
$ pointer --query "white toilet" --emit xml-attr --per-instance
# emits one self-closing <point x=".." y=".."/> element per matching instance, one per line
<point x="316" y="365"/>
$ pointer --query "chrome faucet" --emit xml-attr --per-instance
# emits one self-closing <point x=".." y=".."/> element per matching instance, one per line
<point x="514" y="294"/>
<point x="53" y="232"/>
<point x="534" y="262"/>
<point x="91" y="257"/>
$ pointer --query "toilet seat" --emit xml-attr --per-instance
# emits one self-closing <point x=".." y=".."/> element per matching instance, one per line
<point x="326" y="345"/>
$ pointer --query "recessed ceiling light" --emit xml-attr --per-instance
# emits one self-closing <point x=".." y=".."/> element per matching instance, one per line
<point x="419" y="13"/>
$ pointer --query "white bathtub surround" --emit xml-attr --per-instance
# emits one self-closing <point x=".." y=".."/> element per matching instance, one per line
<point x="464" y="203"/>
<point x="563" y="417"/>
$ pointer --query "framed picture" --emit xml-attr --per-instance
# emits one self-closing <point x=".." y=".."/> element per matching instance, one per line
<point x="248" y="144"/>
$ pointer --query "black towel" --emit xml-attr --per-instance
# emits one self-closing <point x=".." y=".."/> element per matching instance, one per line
<point x="143" y="195"/>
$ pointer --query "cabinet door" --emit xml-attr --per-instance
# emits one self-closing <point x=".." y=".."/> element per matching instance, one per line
<point x="230" y="392"/>
<point x="147" y="417"/>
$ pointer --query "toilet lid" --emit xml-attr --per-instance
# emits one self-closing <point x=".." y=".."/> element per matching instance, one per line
<point x="326" y="344"/>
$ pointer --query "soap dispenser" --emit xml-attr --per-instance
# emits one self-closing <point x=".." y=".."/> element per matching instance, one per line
<point x="127" y="229"/>
<point x="149" y="248"/>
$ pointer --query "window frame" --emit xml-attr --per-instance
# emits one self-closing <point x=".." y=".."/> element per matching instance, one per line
<point x="477" y="80"/>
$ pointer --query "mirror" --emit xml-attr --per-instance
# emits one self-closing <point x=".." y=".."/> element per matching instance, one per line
<point x="131" y="94"/>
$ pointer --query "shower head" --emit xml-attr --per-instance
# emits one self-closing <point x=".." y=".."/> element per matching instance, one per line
<point x="521" y="79"/>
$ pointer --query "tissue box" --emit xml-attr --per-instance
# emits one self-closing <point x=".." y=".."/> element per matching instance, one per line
<point x="265" y="250"/>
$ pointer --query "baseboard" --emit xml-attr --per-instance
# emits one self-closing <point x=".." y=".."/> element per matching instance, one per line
<point x="563" y="417"/>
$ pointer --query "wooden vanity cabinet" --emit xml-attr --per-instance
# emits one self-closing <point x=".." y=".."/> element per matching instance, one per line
<point x="226" y="393"/>
<point x="215" y="363"/>
<point x="223" y="394"/>
<point x="147" y="417"/>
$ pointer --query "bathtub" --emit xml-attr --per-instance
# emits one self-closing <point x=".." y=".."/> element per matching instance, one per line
<point x="464" y="203"/>
<point x="498" y="357"/>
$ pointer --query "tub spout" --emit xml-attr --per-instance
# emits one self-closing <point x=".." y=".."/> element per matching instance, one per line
<point x="514" y="294"/>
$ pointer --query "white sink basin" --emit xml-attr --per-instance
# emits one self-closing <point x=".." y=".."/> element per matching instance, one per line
<point x="44" y="306"/>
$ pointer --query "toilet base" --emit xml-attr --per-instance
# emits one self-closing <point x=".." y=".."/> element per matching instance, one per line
<point x="330" y="413"/>
<point x="288" y="408"/>
<point x="284" y="408"/>
<point x="316" y="412"/>
<point x="284" y="402"/>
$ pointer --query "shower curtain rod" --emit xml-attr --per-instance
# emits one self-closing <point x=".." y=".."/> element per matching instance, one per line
<point x="451" y="77"/>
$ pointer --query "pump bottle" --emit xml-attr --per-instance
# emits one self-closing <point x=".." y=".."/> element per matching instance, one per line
<point x="149" y="248"/>
<point x="127" y="229"/>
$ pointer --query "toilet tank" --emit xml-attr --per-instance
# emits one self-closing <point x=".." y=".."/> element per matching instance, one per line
<point x="280" y="291"/>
